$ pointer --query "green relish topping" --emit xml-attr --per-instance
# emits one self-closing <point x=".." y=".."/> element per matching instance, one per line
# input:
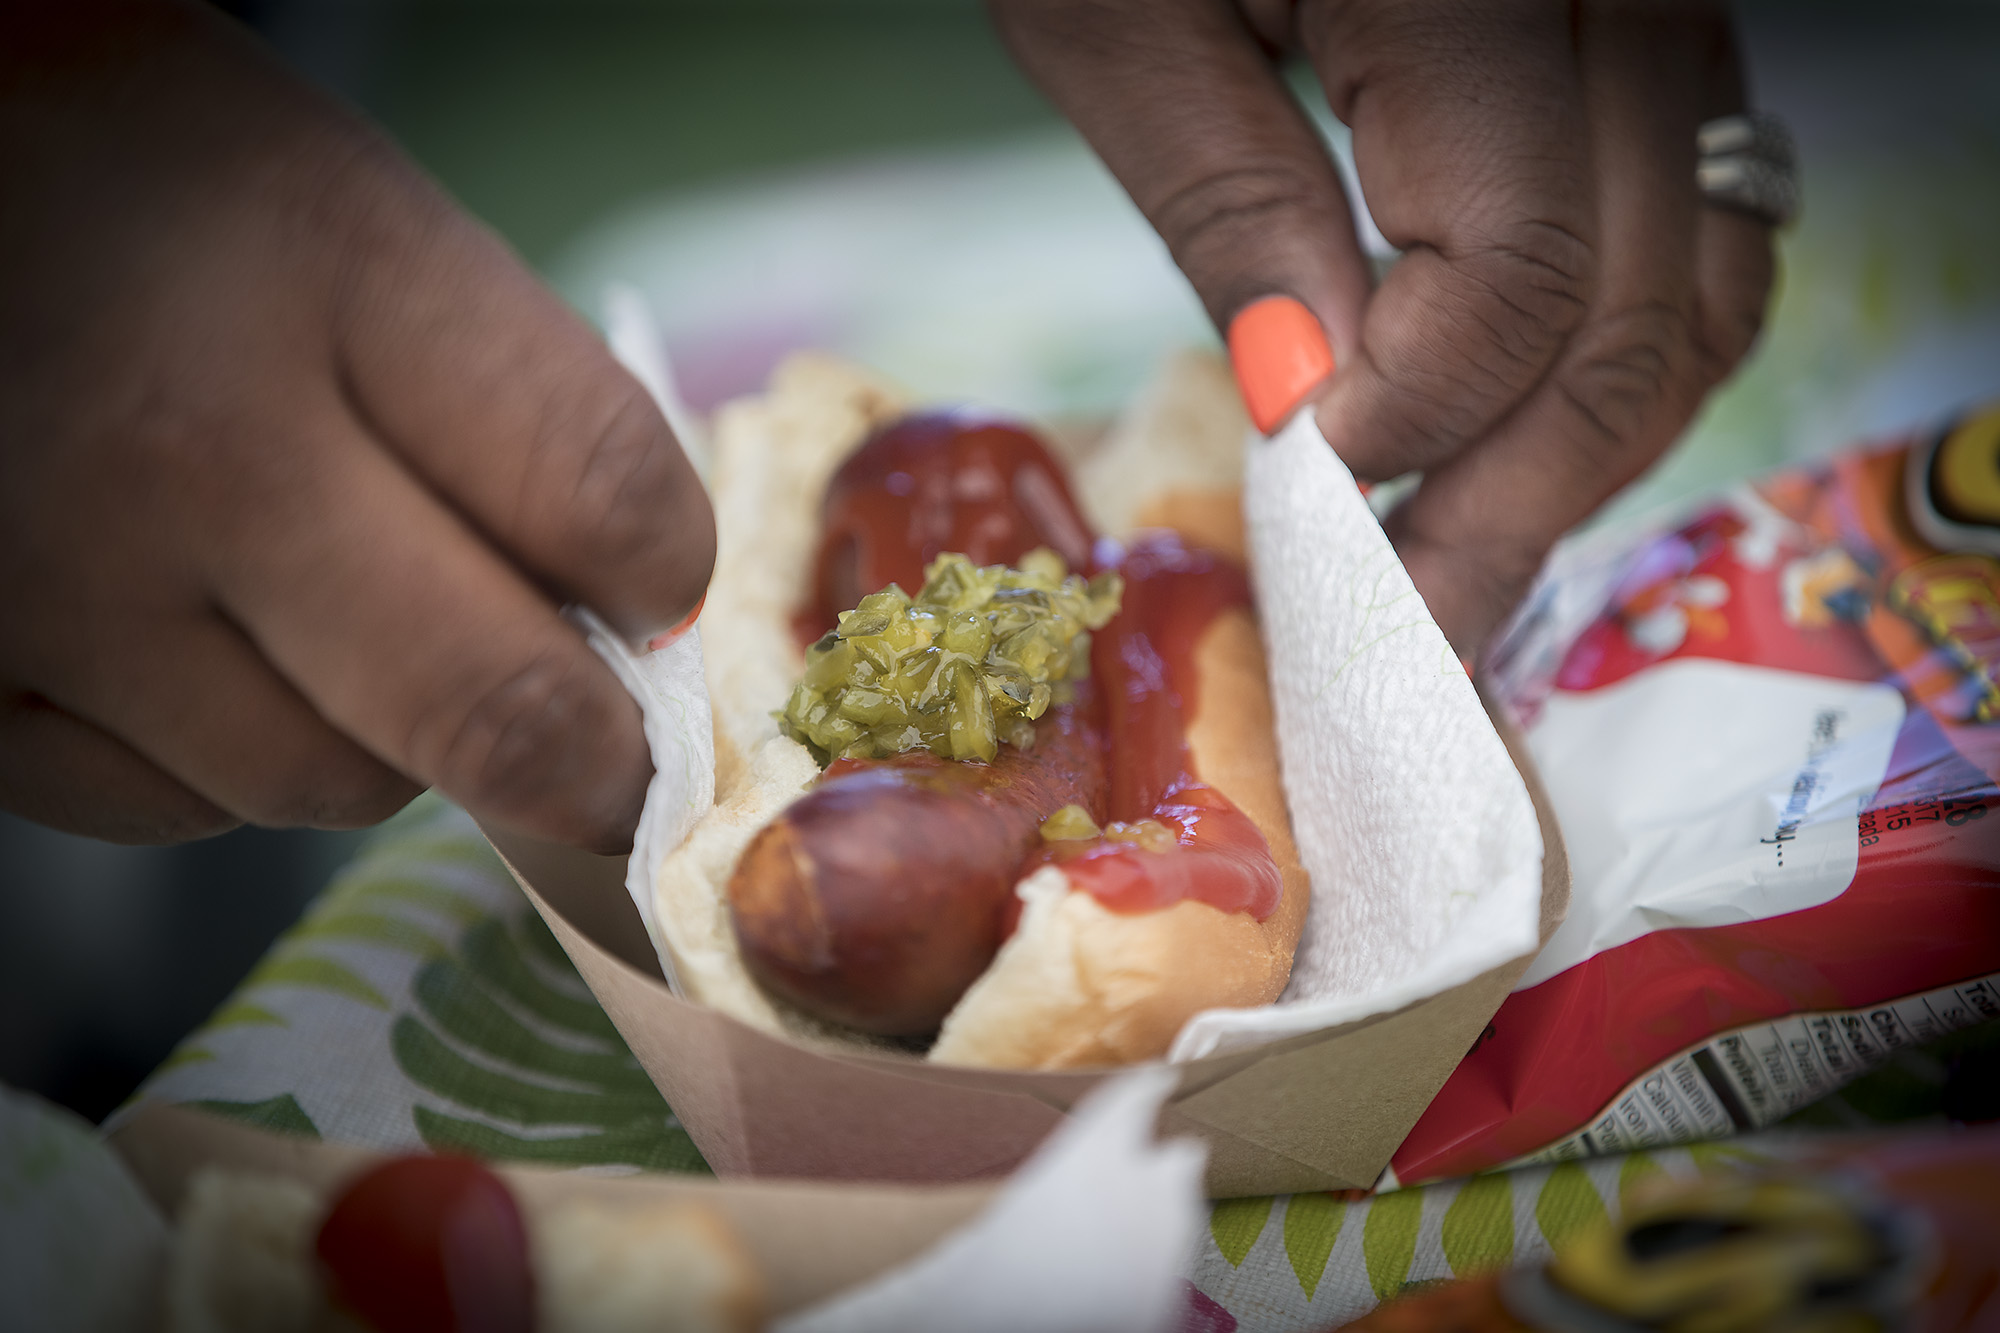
<point x="972" y="660"/>
<point x="1072" y="823"/>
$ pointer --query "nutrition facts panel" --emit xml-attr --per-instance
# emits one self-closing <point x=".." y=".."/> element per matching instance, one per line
<point x="1753" y="1076"/>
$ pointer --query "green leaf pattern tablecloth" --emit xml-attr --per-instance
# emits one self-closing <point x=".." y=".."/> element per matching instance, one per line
<point x="1306" y="1261"/>
<point x="421" y="1003"/>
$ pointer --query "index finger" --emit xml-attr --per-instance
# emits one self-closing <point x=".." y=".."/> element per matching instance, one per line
<point x="1470" y="143"/>
<point x="1181" y="101"/>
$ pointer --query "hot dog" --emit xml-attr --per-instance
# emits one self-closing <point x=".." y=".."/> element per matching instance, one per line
<point x="880" y="895"/>
<point x="1115" y="859"/>
<point x="877" y="898"/>
<point x="426" y="1243"/>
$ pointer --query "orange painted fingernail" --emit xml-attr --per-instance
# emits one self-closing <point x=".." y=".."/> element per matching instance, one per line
<point x="659" y="641"/>
<point x="1280" y="354"/>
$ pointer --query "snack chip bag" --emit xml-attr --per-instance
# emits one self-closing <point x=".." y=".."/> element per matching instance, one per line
<point x="1772" y="736"/>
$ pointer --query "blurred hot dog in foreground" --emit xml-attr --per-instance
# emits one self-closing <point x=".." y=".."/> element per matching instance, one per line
<point x="1021" y="793"/>
<point x="423" y="1244"/>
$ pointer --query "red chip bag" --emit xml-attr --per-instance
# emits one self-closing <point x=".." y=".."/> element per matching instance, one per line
<point x="1772" y="737"/>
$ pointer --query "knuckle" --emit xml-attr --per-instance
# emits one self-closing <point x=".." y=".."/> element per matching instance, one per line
<point x="1631" y="370"/>
<point x="1430" y="419"/>
<point x="1476" y="330"/>
<point x="615" y="492"/>
<point x="506" y="748"/>
<point x="1219" y="206"/>
<point x="1541" y="272"/>
<point x="1244" y="222"/>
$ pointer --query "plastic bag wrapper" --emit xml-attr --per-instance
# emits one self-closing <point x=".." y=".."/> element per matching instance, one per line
<point x="1771" y="734"/>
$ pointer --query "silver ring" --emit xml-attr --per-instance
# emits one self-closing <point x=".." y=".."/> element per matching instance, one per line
<point x="1749" y="164"/>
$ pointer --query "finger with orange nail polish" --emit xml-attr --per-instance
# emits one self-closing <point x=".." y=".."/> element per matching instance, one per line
<point x="659" y="641"/>
<point x="1280" y="354"/>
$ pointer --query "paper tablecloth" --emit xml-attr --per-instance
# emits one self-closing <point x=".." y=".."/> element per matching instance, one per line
<point x="420" y="1002"/>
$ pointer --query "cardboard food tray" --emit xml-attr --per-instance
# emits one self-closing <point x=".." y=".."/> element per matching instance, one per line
<point x="1320" y="1111"/>
<point x="807" y="1240"/>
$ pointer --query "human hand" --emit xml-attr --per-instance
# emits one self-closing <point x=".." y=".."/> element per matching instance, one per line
<point x="297" y="463"/>
<point x="1564" y="300"/>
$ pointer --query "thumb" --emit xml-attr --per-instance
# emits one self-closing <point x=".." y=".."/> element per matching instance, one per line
<point x="506" y="402"/>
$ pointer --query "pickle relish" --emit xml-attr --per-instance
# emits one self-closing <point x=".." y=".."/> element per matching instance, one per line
<point x="969" y="662"/>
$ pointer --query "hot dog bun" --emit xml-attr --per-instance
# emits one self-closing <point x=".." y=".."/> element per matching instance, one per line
<point x="1077" y="984"/>
<point x="773" y="456"/>
<point x="1080" y="985"/>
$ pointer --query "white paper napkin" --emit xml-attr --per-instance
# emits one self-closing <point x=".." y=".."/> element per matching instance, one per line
<point x="1417" y="829"/>
<point x="672" y="694"/>
<point x="668" y="684"/>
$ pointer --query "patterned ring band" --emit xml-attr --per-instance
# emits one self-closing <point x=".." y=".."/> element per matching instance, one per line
<point x="1749" y="164"/>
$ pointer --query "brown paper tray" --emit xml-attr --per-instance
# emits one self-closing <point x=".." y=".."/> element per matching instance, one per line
<point x="1316" y="1112"/>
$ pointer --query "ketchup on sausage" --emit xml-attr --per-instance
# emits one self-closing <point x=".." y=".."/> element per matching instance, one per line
<point x="934" y="482"/>
<point x="876" y="899"/>
<point x="1144" y="669"/>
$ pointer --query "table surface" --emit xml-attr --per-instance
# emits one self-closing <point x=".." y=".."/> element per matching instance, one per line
<point x="421" y="1003"/>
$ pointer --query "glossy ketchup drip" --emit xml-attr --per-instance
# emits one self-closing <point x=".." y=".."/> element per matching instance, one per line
<point x="1144" y="669"/>
<point x="1143" y="663"/>
<point x="935" y="482"/>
